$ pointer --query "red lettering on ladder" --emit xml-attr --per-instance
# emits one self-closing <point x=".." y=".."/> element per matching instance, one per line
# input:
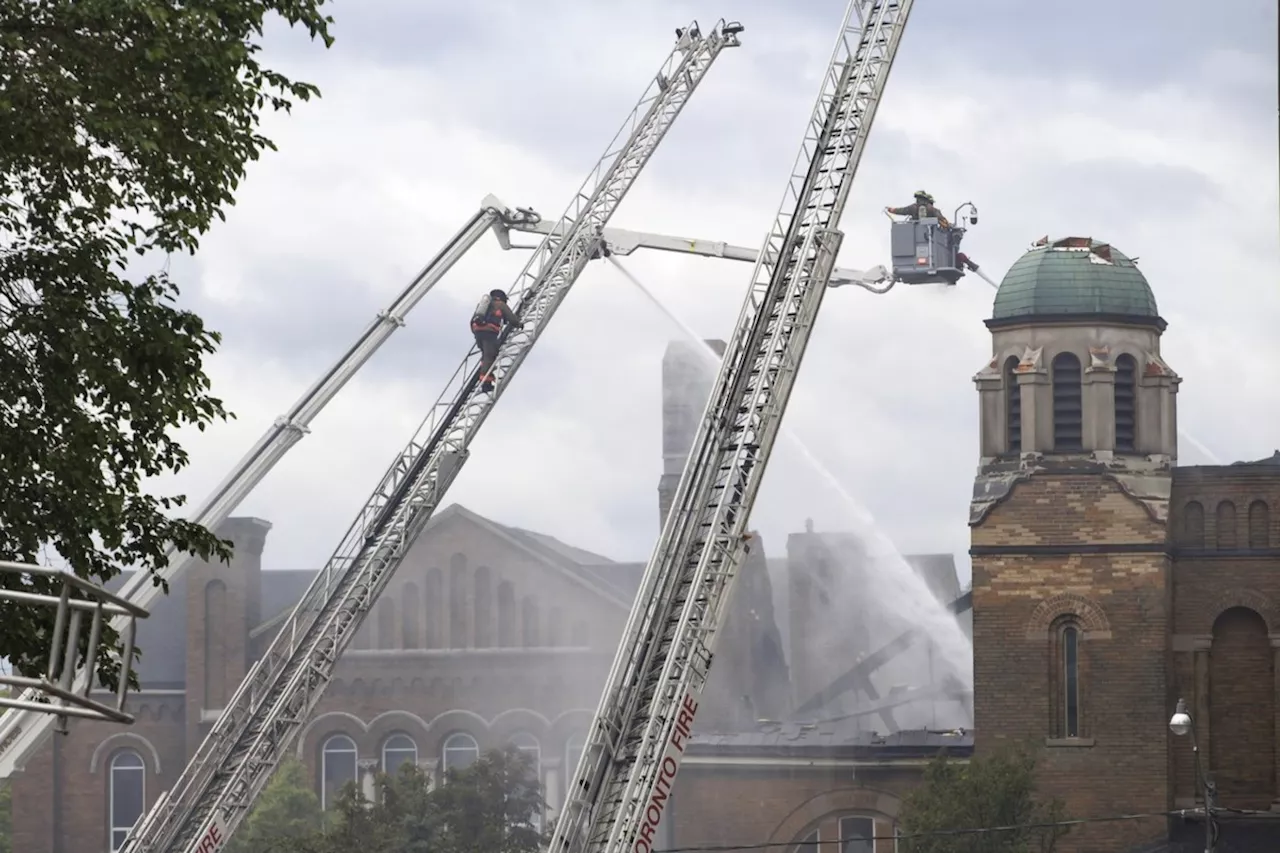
<point x="680" y="733"/>
<point x="211" y="841"/>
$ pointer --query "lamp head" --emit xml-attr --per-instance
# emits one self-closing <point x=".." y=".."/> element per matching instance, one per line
<point x="1180" y="722"/>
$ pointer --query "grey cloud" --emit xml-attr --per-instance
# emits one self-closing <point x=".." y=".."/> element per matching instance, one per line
<point x="307" y="315"/>
<point x="509" y="86"/>
<point x="1135" y="42"/>
<point x="1114" y="189"/>
<point x="905" y="444"/>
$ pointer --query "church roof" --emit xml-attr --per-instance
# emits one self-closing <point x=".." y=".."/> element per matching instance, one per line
<point x="1272" y="461"/>
<point x="831" y="739"/>
<point x="1074" y="277"/>
<point x="161" y="636"/>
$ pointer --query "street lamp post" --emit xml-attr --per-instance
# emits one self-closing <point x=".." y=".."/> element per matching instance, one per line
<point x="1182" y="725"/>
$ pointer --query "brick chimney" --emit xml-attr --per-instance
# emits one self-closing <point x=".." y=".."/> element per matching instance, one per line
<point x="687" y="377"/>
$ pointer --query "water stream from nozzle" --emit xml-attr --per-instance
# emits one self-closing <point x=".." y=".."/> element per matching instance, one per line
<point x="893" y="583"/>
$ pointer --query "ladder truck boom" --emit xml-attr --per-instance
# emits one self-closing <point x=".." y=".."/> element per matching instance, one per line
<point x="616" y="797"/>
<point x="620" y="241"/>
<point x="269" y="709"/>
<point x="24" y="728"/>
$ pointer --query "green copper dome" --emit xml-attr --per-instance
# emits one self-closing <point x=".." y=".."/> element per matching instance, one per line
<point x="1075" y="276"/>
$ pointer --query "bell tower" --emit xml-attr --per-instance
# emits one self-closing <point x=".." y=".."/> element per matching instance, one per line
<point x="1071" y="578"/>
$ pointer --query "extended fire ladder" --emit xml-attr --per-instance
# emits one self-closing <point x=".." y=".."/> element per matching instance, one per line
<point x="617" y="795"/>
<point x="31" y="715"/>
<point x="267" y="712"/>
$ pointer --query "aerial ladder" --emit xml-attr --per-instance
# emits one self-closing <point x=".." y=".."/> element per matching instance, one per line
<point x="619" y="790"/>
<point x="930" y="260"/>
<point x="32" y="714"/>
<point x="269" y="709"/>
<point x="623" y="242"/>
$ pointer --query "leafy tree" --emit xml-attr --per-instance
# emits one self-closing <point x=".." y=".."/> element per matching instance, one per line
<point x="6" y="805"/>
<point x="490" y="806"/>
<point x="487" y="808"/>
<point x="288" y="809"/>
<point x="125" y="128"/>
<point x="6" y="818"/>
<point x="992" y="790"/>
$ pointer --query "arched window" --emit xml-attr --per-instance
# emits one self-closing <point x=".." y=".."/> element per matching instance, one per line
<point x="126" y="794"/>
<point x="337" y="767"/>
<point x="1193" y="525"/>
<point x="410" y="632"/>
<point x="460" y="751"/>
<point x="458" y="602"/>
<point x="1066" y="679"/>
<point x="435" y="608"/>
<point x="529" y="621"/>
<point x="810" y="843"/>
<point x="1226" y="526"/>
<point x="1126" y="403"/>
<point x="528" y="744"/>
<point x="857" y="834"/>
<point x="1259" y="525"/>
<point x="397" y="750"/>
<point x="1068" y="418"/>
<point x="484" y="608"/>
<point x="1241" y="710"/>
<point x="506" y="615"/>
<point x="1013" y="406"/>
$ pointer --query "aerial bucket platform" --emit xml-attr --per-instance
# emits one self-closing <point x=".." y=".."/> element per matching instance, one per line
<point x="59" y="691"/>
<point x="924" y="252"/>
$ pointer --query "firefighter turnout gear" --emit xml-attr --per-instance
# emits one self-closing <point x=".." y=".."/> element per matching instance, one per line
<point x="923" y="208"/>
<point x="490" y="315"/>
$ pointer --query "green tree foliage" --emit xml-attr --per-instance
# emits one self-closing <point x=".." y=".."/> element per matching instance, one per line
<point x="6" y="806"/>
<point x="288" y="809"/>
<point x="125" y="128"/>
<point x="992" y="790"/>
<point x="6" y="818"/>
<point x="487" y="808"/>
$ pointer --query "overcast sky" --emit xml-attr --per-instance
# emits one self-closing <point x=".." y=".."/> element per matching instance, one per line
<point x="1141" y="123"/>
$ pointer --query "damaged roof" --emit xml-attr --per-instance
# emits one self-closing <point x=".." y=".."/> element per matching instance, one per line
<point x="1074" y="276"/>
<point x="839" y="738"/>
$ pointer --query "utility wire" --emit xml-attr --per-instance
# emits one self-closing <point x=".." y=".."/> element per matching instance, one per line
<point x="938" y="833"/>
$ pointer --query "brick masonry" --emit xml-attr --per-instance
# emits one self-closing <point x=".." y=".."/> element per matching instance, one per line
<point x="430" y="662"/>
<point x="1118" y="761"/>
<point x="1184" y="609"/>
<point x="728" y="804"/>
<point x="1225" y="535"/>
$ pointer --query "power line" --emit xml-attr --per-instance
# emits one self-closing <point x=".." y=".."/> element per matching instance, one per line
<point x="938" y="833"/>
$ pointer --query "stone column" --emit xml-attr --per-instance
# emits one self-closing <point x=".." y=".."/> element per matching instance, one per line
<point x="1037" y="411"/>
<point x="430" y="765"/>
<point x="992" y="437"/>
<point x="1098" y="399"/>
<point x="368" y="768"/>
<point x="1158" y="415"/>
<point x="551" y="768"/>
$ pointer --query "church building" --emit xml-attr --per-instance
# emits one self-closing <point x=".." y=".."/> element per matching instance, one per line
<point x="1108" y="583"/>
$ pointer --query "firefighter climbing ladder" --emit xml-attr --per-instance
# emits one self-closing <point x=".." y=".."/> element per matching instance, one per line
<point x="231" y="767"/>
<point x="617" y="795"/>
